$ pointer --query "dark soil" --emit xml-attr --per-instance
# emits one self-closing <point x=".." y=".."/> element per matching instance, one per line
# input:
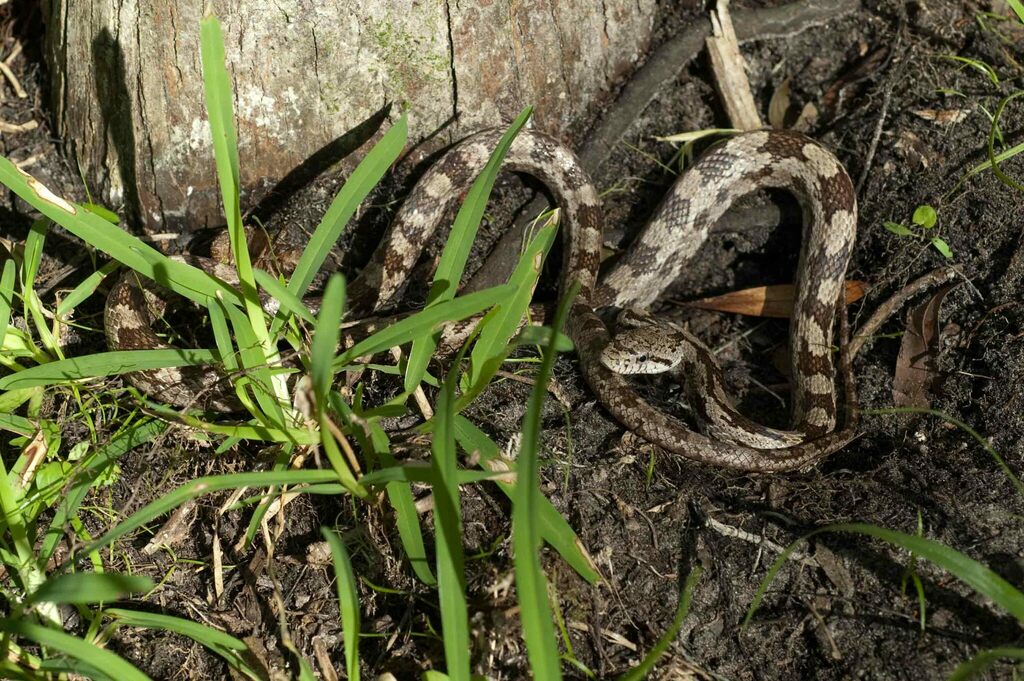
<point x="647" y="517"/>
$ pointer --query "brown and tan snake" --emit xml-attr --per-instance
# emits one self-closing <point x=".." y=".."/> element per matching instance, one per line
<point x="729" y="170"/>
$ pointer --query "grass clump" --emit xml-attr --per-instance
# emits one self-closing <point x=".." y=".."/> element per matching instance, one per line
<point x="247" y="343"/>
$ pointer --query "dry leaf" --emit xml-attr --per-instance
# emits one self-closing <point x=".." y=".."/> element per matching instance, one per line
<point x="778" y="107"/>
<point x="767" y="301"/>
<point x="916" y="373"/>
<point x="807" y="118"/>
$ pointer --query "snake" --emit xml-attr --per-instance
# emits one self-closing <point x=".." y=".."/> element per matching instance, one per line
<point x="727" y="171"/>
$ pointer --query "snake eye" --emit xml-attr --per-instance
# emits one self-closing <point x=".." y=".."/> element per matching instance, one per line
<point x="641" y="358"/>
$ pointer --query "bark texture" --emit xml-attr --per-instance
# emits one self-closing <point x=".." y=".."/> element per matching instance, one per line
<point x="314" y="80"/>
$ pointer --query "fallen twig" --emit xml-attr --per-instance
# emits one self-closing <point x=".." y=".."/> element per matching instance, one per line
<point x="888" y="308"/>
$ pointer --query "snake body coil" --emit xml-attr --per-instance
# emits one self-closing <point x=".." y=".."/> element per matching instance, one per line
<point x="729" y="170"/>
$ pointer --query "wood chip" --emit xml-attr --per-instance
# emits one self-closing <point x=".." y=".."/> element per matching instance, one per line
<point x="942" y="116"/>
<point x="19" y="91"/>
<point x="34" y="454"/>
<point x="18" y="127"/>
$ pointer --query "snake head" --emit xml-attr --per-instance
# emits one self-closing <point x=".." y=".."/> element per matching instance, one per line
<point x="643" y="344"/>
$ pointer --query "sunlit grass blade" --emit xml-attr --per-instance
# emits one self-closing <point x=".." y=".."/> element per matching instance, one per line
<point x="198" y="488"/>
<point x="325" y="339"/>
<point x="216" y="483"/>
<point x="1017" y="7"/>
<point x="6" y="297"/>
<point x="191" y="282"/>
<point x="88" y="587"/>
<point x="224" y="340"/>
<point x="425" y="322"/>
<point x="114" y="666"/>
<point x="363" y="179"/>
<point x="984" y="660"/>
<point x="457" y="248"/>
<point x="218" y="92"/>
<point x="239" y="431"/>
<point x="646" y="665"/>
<point x="16" y="424"/>
<point x="85" y="289"/>
<point x="451" y="585"/>
<point x="553" y="527"/>
<point x="228" y="647"/>
<point x="106" y="364"/>
<point x="348" y="600"/>
<point x="531" y="584"/>
<point x="259" y="375"/>
<point x="489" y="349"/>
<point x="969" y="571"/>
<point x="81" y="480"/>
<point x="374" y="441"/>
<point x="33" y="307"/>
<point x="289" y="302"/>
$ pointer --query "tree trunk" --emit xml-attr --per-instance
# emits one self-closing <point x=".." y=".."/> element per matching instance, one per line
<point x="314" y="81"/>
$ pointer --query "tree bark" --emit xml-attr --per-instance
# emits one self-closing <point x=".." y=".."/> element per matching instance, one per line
<point x="314" y="82"/>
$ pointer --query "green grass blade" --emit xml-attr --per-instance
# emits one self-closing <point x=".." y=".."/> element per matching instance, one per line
<point x="553" y="527"/>
<point x="106" y="364"/>
<point x="88" y="587"/>
<point x="224" y="340"/>
<point x="281" y="294"/>
<point x="218" y="91"/>
<point x="6" y="297"/>
<point x="983" y="661"/>
<point x="456" y="250"/>
<point x="85" y="289"/>
<point x="228" y="647"/>
<point x="191" y="282"/>
<point x="81" y="481"/>
<point x="194" y="630"/>
<point x="258" y="374"/>
<point x="489" y="350"/>
<point x="425" y="322"/>
<point x="983" y="580"/>
<point x="373" y="440"/>
<point x="348" y="600"/>
<point x="198" y="488"/>
<point x="646" y="666"/>
<point x="1018" y="8"/>
<point x="32" y="305"/>
<point x="363" y="179"/>
<point x="17" y="424"/>
<point x="451" y="586"/>
<point x="985" y="444"/>
<point x="531" y="584"/>
<point x="325" y="339"/>
<point x="79" y="649"/>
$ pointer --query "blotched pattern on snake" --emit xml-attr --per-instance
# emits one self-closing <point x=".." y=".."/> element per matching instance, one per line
<point x="729" y="170"/>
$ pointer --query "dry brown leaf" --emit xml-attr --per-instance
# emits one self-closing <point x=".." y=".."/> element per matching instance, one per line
<point x="916" y="374"/>
<point x="768" y="301"/>
<point x="807" y="118"/>
<point x="778" y="107"/>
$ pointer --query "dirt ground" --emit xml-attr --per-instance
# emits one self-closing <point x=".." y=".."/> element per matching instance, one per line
<point x="647" y="517"/>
